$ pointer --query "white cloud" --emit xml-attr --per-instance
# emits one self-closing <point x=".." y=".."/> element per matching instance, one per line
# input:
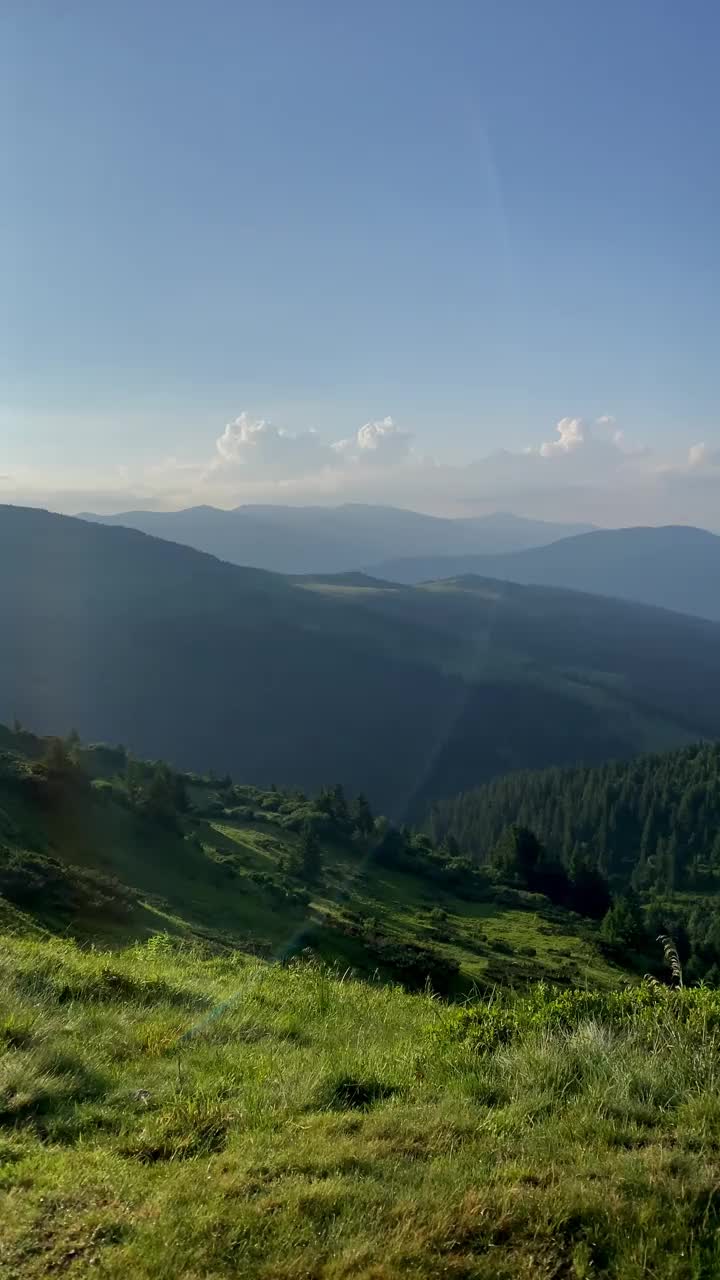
<point x="258" y="445"/>
<point x="601" y="439"/>
<point x="585" y="470"/>
<point x="703" y="456"/>
<point x="376" y="442"/>
<point x="571" y="436"/>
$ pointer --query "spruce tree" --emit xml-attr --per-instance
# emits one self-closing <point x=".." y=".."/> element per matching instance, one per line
<point x="623" y="924"/>
<point x="306" y="863"/>
<point x="361" y="815"/>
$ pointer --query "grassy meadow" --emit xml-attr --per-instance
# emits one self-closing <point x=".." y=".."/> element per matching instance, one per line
<point x="166" y="1112"/>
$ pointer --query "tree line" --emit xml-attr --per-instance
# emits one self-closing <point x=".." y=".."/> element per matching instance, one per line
<point x="651" y="823"/>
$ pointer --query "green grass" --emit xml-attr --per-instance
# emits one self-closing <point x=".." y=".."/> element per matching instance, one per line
<point x="491" y="942"/>
<point x="167" y="1113"/>
<point x="222" y="878"/>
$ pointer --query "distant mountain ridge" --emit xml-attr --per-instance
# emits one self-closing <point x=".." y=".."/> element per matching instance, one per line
<point x="674" y="567"/>
<point x="405" y="693"/>
<point x="334" y="539"/>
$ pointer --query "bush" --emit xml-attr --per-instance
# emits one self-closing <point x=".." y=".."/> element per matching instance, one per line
<point x="47" y="886"/>
<point x="503" y="946"/>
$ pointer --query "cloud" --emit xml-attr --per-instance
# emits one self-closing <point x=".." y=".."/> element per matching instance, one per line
<point x="255" y="451"/>
<point x="590" y="443"/>
<point x="584" y="470"/>
<point x="571" y="436"/>
<point x="259" y="446"/>
<point x="376" y="443"/>
<point x="702" y="456"/>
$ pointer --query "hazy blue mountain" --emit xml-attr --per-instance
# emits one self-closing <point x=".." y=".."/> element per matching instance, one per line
<point x="406" y="693"/>
<point x="334" y="539"/>
<point x="675" y="567"/>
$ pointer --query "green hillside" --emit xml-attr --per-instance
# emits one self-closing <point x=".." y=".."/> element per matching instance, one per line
<point x="96" y="845"/>
<point x="655" y="818"/>
<point x="407" y="694"/>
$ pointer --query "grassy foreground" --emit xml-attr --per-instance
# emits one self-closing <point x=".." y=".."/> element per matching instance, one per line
<point x="168" y="1113"/>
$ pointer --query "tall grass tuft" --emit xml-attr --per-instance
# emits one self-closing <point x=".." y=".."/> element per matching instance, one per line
<point x="672" y="959"/>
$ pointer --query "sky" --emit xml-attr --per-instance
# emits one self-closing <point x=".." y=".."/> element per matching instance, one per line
<point x="450" y="256"/>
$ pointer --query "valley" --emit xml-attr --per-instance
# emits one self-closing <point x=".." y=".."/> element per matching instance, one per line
<point x="404" y="693"/>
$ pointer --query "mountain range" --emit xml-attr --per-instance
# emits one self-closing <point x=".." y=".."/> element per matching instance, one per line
<point x="675" y="566"/>
<point x="407" y="693"/>
<point x="335" y="539"/>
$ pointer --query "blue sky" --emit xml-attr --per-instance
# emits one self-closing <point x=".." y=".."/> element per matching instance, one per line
<point x="480" y="218"/>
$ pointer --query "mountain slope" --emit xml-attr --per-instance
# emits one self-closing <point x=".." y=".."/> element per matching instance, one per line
<point x="333" y="539"/>
<point x="104" y="847"/>
<point x="405" y="693"/>
<point x="651" y="824"/>
<point x="628" y="816"/>
<point x="673" y="567"/>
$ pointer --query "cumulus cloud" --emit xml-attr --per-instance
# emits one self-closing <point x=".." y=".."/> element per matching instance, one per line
<point x="577" y="437"/>
<point x="253" y="450"/>
<point x="586" y="471"/>
<point x="258" y="445"/>
<point x="571" y="435"/>
<point x="582" y="470"/>
<point x="376" y="443"/>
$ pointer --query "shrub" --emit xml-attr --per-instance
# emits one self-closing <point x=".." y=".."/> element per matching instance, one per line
<point x="37" y="882"/>
<point x="502" y="946"/>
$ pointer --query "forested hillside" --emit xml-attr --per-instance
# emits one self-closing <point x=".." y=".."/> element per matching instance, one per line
<point x="654" y="819"/>
<point x="650" y="825"/>
<point x="406" y="694"/>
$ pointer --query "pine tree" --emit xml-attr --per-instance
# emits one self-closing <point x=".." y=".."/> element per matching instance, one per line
<point x="451" y="847"/>
<point x="158" y="801"/>
<point x="361" y="815"/>
<point x="623" y="924"/>
<point x="306" y="859"/>
<point x="134" y="780"/>
<point x="339" y="803"/>
<point x="58" y="760"/>
<point x="589" y="892"/>
<point x="649" y="837"/>
<point x="518" y="853"/>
